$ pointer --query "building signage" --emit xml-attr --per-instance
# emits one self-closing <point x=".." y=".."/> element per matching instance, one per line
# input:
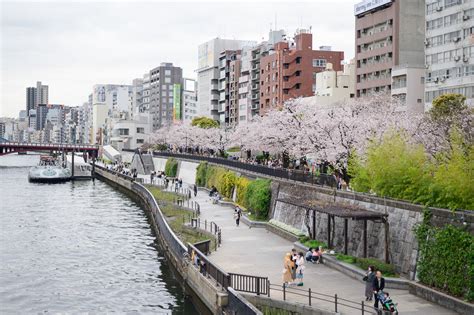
<point x="368" y="5"/>
<point x="177" y="102"/>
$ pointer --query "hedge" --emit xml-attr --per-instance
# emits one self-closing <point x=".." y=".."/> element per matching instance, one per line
<point x="364" y="263"/>
<point x="257" y="197"/>
<point x="254" y="195"/>
<point x="171" y="167"/>
<point x="446" y="258"/>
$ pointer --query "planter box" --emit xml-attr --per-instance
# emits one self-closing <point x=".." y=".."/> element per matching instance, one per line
<point x="441" y="298"/>
<point x="250" y="223"/>
<point x="355" y="272"/>
<point x="282" y="233"/>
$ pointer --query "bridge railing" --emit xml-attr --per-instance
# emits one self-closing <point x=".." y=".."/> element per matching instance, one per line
<point x="51" y="145"/>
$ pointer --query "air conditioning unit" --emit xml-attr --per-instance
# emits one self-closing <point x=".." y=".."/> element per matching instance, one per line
<point x="443" y="78"/>
<point x="465" y="17"/>
<point x="465" y="59"/>
<point x="457" y="58"/>
<point x="457" y="39"/>
<point x="439" y="9"/>
<point x="427" y="42"/>
<point x="436" y="80"/>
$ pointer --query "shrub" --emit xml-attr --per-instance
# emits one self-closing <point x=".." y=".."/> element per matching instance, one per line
<point x="364" y="263"/>
<point x="171" y="167"/>
<point x="241" y="185"/>
<point x="446" y="258"/>
<point x="258" y="196"/>
<point x="226" y="183"/>
<point x="201" y="172"/>
<point x="308" y="242"/>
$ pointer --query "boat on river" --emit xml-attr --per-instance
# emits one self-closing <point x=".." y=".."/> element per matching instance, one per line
<point x="82" y="169"/>
<point x="49" y="170"/>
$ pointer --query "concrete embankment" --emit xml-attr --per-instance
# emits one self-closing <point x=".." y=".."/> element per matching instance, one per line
<point x="212" y="297"/>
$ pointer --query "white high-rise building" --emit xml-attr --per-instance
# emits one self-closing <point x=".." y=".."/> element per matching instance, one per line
<point x="109" y="101"/>
<point x="449" y="49"/>
<point x="42" y="96"/>
<point x="208" y="73"/>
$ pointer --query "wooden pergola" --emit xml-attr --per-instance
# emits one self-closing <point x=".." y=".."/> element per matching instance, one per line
<point x="346" y="212"/>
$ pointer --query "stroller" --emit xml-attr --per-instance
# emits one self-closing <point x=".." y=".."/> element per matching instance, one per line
<point x="387" y="304"/>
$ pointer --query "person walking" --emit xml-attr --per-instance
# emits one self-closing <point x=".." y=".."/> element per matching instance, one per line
<point x="195" y="188"/>
<point x="287" y="267"/>
<point x="378" y="284"/>
<point x="237" y="214"/>
<point x="369" y="279"/>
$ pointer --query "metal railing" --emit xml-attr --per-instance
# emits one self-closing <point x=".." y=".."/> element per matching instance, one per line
<point x="288" y="174"/>
<point x="250" y="284"/>
<point x="310" y="295"/>
<point x="208" y="226"/>
<point x="207" y="268"/>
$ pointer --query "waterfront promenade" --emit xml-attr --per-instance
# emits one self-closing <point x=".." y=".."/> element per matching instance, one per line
<point x="256" y="251"/>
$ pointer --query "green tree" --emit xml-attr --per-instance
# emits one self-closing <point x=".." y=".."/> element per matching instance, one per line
<point x="453" y="185"/>
<point x="204" y="122"/>
<point x="447" y="106"/>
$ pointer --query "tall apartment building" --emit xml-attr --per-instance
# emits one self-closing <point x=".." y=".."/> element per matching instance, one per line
<point x="189" y="99"/>
<point x="42" y="96"/>
<point x="389" y="34"/>
<point x="145" y="104"/>
<point x="41" y="113"/>
<point x="449" y="49"/>
<point x="163" y="81"/>
<point x="229" y="73"/>
<point x="30" y="98"/>
<point x="208" y="73"/>
<point x="258" y="51"/>
<point x="289" y="70"/>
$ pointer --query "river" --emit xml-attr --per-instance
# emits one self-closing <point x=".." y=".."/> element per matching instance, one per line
<point x="78" y="247"/>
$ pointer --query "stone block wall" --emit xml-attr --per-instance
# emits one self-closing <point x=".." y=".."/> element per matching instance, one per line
<point x="403" y="245"/>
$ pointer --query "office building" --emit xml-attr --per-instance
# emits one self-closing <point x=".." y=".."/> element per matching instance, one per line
<point x="289" y="71"/>
<point x="208" y="73"/>
<point x="190" y="104"/>
<point x="449" y="49"/>
<point x="389" y="34"/>
<point x="165" y="93"/>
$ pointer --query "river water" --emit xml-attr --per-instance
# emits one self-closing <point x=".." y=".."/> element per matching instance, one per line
<point x="78" y="247"/>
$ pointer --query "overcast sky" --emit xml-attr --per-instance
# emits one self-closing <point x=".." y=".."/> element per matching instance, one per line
<point x="71" y="46"/>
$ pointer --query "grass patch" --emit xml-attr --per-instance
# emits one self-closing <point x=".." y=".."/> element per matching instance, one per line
<point x="252" y="216"/>
<point x="161" y="195"/>
<point x="387" y="270"/>
<point x="175" y="217"/>
<point x="306" y="241"/>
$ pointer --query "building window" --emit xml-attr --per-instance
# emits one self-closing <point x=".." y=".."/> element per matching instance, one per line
<point x="298" y="60"/>
<point x="319" y="62"/>
<point x="140" y="130"/>
<point x="123" y="131"/>
<point x="140" y="141"/>
<point x="167" y="72"/>
<point x="167" y="80"/>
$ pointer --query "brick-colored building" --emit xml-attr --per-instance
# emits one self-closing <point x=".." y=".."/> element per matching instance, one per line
<point x="290" y="71"/>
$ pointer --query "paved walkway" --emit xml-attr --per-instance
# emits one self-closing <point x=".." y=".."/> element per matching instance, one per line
<point x="255" y="251"/>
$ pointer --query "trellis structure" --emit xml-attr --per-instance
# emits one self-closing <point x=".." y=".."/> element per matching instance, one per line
<point x="346" y="212"/>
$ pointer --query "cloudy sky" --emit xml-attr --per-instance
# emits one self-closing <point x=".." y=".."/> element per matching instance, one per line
<point x="71" y="46"/>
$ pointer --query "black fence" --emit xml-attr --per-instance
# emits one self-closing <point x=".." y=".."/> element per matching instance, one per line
<point x="250" y="284"/>
<point x="207" y="268"/>
<point x="208" y="226"/>
<point x="173" y="242"/>
<point x="282" y="173"/>
<point x="332" y="301"/>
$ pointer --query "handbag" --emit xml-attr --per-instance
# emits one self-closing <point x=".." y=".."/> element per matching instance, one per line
<point x="365" y="278"/>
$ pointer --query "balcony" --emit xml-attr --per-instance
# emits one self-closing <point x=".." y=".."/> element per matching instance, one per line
<point x="255" y="86"/>
<point x="254" y="97"/>
<point x="255" y="76"/>
<point x="214" y="86"/>
<point x="214" y="97"/>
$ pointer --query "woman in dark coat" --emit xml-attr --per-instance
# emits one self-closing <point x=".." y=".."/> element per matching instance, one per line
<point x="369" y="279"/>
